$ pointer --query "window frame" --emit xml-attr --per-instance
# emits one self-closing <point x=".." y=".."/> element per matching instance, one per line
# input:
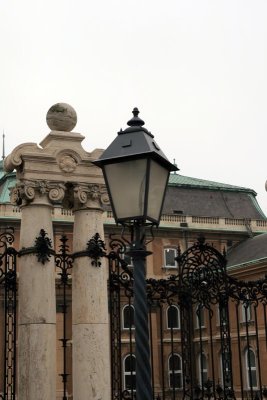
<point x="252" y="369"/>
<point x="202" y="372"/>
<point x="129" y="373"/>
<point x="175" y="372"/>
<point x="169" y="327"/>
<point x="247" y="311"/>
<point x="131" y="327"/>
<point x="166" y="249"/>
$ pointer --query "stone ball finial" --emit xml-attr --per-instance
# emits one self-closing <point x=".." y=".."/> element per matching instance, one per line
<point x="61" y="117"/>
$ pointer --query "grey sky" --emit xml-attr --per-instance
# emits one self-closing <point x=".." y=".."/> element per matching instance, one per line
<point x="197" y="70"/>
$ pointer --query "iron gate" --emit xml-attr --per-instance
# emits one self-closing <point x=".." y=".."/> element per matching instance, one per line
<point x="208" y="331"/>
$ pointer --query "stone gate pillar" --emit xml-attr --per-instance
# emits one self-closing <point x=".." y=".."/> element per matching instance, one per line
<point x="60" y="172"/>
<point x="91" y="340"/>
<point x="37" y="315"/>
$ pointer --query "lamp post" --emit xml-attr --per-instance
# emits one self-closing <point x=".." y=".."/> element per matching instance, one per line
<point x="136" y="174"/>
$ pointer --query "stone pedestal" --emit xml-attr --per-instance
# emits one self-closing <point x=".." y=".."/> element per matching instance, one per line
<point x="91" y="338"/>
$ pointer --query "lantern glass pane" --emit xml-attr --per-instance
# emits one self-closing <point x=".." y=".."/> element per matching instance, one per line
<point x="127" y="183"/>
<point x="157" y="185"/>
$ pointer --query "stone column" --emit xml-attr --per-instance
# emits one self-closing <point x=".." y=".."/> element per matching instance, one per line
<point x="37" y="309"/>
<point x="91" y="338"/>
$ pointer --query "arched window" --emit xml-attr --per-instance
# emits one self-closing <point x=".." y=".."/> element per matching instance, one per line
<point x="175" y="371"/>
<point x="129" y="372"/>
<point x="173" y="317"/>
<point x="128" y="317"/>
<point x="251" y="369"/>
<point x="202" y="369"/>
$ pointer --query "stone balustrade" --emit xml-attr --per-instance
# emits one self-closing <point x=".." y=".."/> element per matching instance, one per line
<point x="167" y="220"/>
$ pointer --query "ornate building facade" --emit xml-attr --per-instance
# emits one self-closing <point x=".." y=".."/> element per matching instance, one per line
<point x="64" y="263"/>
<point x="231" y="220"/>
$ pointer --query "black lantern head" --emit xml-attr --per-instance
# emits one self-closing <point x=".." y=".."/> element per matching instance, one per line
<point x="136" y="173"/>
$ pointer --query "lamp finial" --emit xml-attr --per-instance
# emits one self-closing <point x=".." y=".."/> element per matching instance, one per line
<point x="136" y="121"/>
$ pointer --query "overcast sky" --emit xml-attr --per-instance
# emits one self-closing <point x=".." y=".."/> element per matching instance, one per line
<point x="196" y="69"/>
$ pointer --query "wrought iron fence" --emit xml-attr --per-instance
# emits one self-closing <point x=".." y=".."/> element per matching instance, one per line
<point x="208" y="331"/>
<point x="8" y="293"/>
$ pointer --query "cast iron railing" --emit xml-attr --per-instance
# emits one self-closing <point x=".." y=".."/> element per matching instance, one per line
<point x="218" y="349"/>
<point x="210" y="345"/>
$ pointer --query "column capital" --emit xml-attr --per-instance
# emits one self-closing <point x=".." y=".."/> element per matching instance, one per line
<point x="90" y="196"/>
<point x="42" y="192"/>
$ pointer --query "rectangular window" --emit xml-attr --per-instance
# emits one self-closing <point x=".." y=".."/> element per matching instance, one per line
<point x="169" y="258"/>
<point x="247" y="311"/>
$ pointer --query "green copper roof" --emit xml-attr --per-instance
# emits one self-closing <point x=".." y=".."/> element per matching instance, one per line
<point x="2" y="172"/>
<point x="7" y="180"/>
<point x="4" y="191"/>
<point x="180" y="180"/>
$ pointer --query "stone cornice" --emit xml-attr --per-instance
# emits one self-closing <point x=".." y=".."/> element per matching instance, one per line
<point x="60" y="157"/>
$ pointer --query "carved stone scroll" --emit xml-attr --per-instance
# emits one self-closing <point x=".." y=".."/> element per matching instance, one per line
<point x="90" y="196"/>
<point x="26" y="192"/>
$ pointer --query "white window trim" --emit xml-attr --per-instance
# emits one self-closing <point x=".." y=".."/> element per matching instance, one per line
<point x="200" y="370"/>
<point x="123" y="320"/>
<point x="176" y="371"/>
<point x="164" y="258"/>
<point x="251" y="368"/>
<point x="249" y="311"/>
<point x="167" y="319"/>
<point x="128" y="373"/>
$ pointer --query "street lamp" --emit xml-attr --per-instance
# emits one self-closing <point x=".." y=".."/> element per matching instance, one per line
<point x="136" y="174"/>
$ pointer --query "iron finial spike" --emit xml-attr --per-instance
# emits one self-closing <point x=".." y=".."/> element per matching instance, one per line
<point x="3" y="154"/>
<point x="135" y="112"/>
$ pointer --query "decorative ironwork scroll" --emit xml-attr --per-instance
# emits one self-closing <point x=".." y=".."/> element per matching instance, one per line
<point x="218" y="348"/>
<point x="64" y="264"/>
<point x="95" y="250"/>
<point x="42" y="248"/>
<point x="8" y="282"/>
